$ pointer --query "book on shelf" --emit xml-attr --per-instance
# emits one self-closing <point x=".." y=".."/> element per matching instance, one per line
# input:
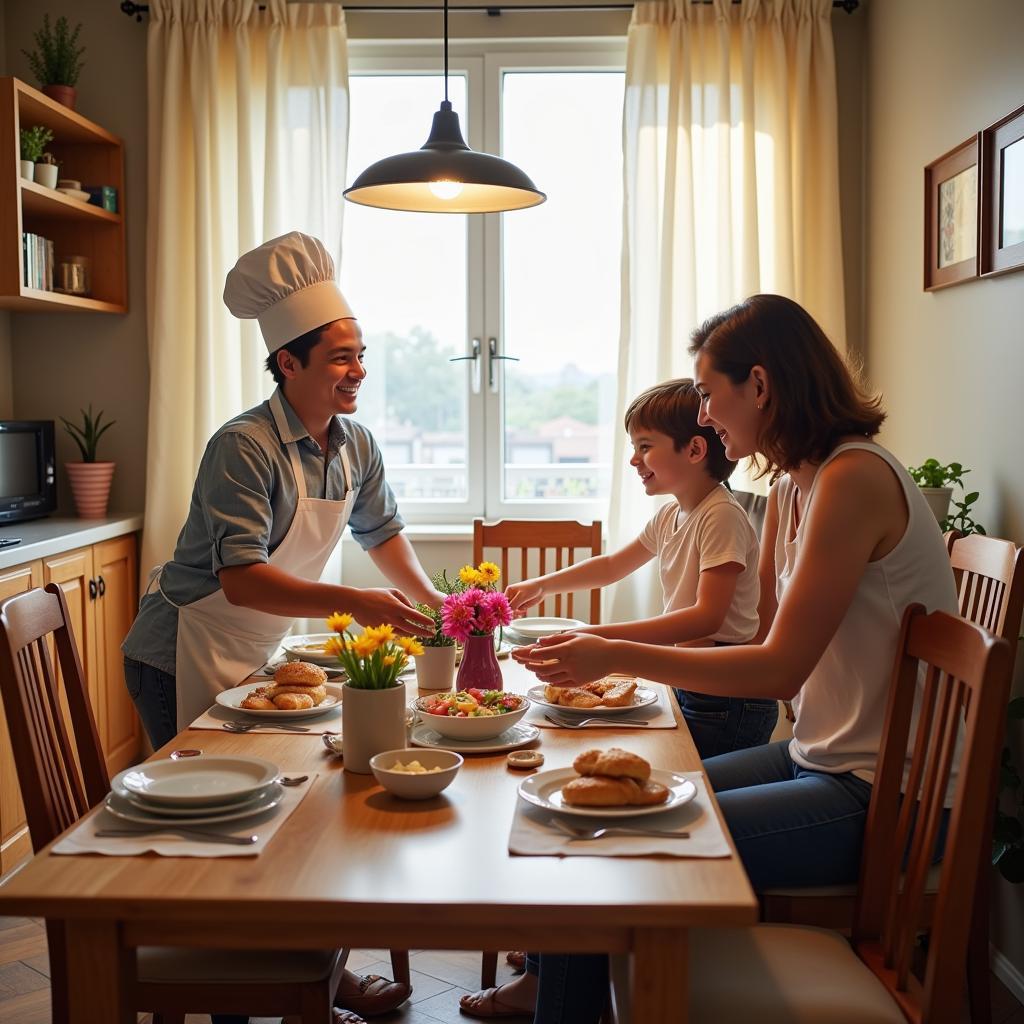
<point x="37" y="261"/>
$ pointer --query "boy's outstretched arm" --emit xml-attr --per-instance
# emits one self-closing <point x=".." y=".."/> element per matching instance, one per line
<point x="715" y="590"/>
<point x="586" y="575"/>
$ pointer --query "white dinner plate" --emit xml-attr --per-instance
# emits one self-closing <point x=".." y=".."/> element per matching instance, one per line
<point x="121" y="808"/>
<point x="643" y="697"/>
<point x="518" y="735"/>
<point x="199" y="782"/>
<point x="545" y="790"/>
<point x="535" y="627"/>
<point x="310" y="647"/>
<point x="232" y="700"/>
<point x="165" y="811"/>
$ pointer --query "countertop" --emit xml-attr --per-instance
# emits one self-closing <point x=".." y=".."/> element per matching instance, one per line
<point x="41" y="538"/>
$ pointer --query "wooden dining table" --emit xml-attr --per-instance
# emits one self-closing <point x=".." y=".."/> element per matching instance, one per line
<point x="354" y="866"/>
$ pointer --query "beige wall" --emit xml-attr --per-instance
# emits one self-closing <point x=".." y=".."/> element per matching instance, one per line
<point x="61" y="362"/>
<point x="950" y="363"/>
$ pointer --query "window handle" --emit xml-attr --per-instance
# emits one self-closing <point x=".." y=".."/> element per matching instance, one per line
<point x="475" y="360"/>
<point x="492" y="350"/>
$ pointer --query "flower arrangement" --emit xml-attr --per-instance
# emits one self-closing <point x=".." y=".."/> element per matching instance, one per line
<point x="479" y="608"/>
<point x="374" y="658"/>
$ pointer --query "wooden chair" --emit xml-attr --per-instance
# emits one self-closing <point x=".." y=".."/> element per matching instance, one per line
<point x="989" y="575"/>
<point x="800" y="974"/>
<point x="562" y="537"/>
<point x="63" y="775"/>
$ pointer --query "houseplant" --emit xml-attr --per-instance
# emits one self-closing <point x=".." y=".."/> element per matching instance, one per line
<point x="33" y="141"/>
<point x="90" y="478"/>
<point x="435" y="668"/>
<point x="936" y="482"/>
<point x="373" y="707"/>
<point x="57" y="60"/>
<point x="471" y="617"/>
<point x="46" y="171"/>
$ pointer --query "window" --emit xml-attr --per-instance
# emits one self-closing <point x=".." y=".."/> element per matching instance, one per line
<point x="492" y="341"/>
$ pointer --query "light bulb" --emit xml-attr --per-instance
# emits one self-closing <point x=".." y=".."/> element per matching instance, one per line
<point x="446" y="189"/>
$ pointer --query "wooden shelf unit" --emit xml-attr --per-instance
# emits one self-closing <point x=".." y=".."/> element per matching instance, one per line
<point x="88" y="153"/>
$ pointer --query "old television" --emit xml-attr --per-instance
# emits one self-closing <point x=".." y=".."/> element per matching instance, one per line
<point x="28" y="470"/>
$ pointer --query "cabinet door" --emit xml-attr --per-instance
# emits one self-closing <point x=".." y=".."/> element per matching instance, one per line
<point x="15" y="844"/>
<point x="116" y="565"/>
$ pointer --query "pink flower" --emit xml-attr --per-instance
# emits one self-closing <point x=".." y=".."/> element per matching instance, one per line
<point x="493" y="611"/>
<point x="457" y="615"/>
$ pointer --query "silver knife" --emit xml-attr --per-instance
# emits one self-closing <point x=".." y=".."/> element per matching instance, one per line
<point x="182" y="830"/>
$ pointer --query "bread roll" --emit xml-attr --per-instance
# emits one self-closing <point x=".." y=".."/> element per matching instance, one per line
<point x="315" y="693"/>
<point x="651" y="793"/>
<point x="615" y="763"/>
<point x="601" y="791"/>
<point x="300" y="673"/>
<point x="258" y="701"/>
<point x="620" y="694"/>
<point x="293" y="701"/>
<point x="578" y="698"/>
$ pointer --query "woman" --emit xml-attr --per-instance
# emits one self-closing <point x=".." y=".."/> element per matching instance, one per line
<point x="848" y="543"/>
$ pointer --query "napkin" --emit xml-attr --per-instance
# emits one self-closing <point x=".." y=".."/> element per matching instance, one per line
<point x="83" y="838"/>
<point x="215" y="716"/>
<point x="658" y="715"/>
<point x="532" y="836"/>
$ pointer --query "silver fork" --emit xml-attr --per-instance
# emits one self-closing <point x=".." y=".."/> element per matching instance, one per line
<point x="625" y="830"/>
<point x="608" y="720"/>
<point x="249" y="726"/>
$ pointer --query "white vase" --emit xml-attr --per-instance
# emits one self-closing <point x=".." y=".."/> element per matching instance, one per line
<point x="938" y="499"/>
<point x="27" y="169"/>
<point x="371" y="721"/>
<point x="435" y="668"/>
<point x="46" y="175"/>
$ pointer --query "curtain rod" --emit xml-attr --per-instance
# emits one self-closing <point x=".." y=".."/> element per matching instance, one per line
<point x="492" y="10"/>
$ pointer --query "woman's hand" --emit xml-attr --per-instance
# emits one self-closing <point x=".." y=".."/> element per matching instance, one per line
<point x="523" y="595"/>
<point x="376" y="606"/>
<point x="567" y="659"/>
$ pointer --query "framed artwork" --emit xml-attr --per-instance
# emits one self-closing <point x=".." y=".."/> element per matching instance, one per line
<point x="1002" y="195"/>
<point x="951" y="217"/>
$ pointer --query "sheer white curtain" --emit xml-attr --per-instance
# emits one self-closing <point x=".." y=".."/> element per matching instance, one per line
<point x="248" y="129"/>
<point x="731" y="188"/>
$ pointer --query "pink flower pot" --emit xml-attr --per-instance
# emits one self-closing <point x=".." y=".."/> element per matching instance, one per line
<point x="90" y="486"/>
<point x="479" y="666"/>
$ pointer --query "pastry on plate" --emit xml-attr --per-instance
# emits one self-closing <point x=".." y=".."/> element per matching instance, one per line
<point x="601" y="791"/>
<point x="615" y="762"/>
<point x="300" y="673"/>
<point x="293" y="701"/>
<point x="258" y="700"/>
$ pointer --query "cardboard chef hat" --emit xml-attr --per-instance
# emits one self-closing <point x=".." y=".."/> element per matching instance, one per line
<point x="287" y="284"/>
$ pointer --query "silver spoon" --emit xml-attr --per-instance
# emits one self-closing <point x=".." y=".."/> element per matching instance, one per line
<point x="294" y="780"/>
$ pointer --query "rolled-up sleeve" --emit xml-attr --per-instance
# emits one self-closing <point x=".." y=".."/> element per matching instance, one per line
<point x="375" y="518"/>
<point x="234" y="485"/>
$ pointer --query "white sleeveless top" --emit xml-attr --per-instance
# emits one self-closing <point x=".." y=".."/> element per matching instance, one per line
<point x="840" y="709"/>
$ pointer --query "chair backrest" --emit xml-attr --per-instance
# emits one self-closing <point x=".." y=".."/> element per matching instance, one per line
<point x="61" y="778"/>
<point x="561" y="537"/>
<point x="755" y="505"/>
<point x="989" y="574"/>
<point x="950" y="686"/>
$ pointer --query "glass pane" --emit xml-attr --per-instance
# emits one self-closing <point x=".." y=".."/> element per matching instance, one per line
<point x="561" y="284"/>
<point x="1012" y="225"/>
<point x="405" y="276"/>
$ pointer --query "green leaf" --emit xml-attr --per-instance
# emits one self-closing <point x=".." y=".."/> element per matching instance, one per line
<point x="971" y="498"/>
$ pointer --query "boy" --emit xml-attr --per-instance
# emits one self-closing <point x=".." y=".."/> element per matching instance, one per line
<point x="707" y="553"/>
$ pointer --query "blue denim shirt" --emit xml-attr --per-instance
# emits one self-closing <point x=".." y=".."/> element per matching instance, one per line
<point x="243" y="503"/>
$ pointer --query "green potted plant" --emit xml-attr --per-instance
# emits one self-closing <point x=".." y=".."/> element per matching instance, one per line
<point x="33" y="141"/>
<point x="936" y="482"/>
<point x="90" y="478"/>
<point x="46" y="171"/>
<point x="435" y="668"/>
<point x="57" y="60"/>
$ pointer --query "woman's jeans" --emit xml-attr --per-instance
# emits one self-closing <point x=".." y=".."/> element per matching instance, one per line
<point x="154" y="694"/>
<point x="719" y="725"/>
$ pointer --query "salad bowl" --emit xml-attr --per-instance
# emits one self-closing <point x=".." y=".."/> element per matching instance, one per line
<point x="471" y="714"/>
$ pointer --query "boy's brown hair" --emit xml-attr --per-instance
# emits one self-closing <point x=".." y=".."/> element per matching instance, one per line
<point x="671" y="408"/>
<point x="815" y="397"/>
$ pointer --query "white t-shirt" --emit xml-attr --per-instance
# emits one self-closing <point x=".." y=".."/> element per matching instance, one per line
<point x="716" y="532"/>
<point x="840" y="709"/>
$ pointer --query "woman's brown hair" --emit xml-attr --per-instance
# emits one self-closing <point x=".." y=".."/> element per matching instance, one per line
<point x="815" y="398"/>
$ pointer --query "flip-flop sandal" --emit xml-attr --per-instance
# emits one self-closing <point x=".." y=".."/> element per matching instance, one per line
<point x="376" y="995"/>
<point x="516" y="959"/>
<point x="492" y="1006"/>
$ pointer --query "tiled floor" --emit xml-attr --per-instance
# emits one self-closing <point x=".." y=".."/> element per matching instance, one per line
<point x="438" y="978"/>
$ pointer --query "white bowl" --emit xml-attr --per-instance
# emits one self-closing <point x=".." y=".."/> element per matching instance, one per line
<point x="535" y="627"/>
<point x="411" y="786"/>
<point x="483" y="728"/>
<point x="310" y="648"/>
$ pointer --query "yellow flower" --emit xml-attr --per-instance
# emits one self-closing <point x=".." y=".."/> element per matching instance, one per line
<point x="339" y="623"/>
<point x="389" y="659"/>
<point x="410" y="645"/>
<point x="489" y="572"/>
<point x="381" y="633"/>
<point x="335" y="645"/>
<point x="363" y="646"/>
<point x="470" y="575"/>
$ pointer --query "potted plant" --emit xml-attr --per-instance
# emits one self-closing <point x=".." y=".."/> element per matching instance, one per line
<point x="33" y="141"/>
<point x="936" y="482"/>
<point x="435" y="668"/>
<point x="90" y="479"/>
<point x="57" y="61"/>
<point x="373" y="705"/>
<point x="46" y="171"/>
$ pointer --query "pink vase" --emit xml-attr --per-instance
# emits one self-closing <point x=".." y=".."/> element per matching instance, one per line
<point x="479" y="665"/>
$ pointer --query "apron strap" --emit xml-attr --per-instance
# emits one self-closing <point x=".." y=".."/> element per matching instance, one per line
<point x="346" y="466"/>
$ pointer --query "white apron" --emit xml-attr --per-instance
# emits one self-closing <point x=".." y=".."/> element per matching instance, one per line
<point x="220" y="644"/>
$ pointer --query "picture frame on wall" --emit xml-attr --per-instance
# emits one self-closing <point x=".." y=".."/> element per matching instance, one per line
<point x="951" y="212"/>
<point x="1002" y="195"/>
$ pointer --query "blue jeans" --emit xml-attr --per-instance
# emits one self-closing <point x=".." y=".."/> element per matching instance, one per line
<point x="154" y="694"/>
<point x="719" y="725"/>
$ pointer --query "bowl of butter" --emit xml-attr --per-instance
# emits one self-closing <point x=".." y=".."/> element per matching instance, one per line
<point x="415" y="773"/>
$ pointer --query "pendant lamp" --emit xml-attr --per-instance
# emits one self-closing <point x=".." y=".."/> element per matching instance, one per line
<point x="445" y="175"/>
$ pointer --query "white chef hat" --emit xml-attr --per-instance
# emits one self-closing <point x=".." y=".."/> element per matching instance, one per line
<point x="288" y="285"/>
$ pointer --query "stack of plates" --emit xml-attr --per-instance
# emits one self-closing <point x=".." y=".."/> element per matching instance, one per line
<point x="200" y="791"/>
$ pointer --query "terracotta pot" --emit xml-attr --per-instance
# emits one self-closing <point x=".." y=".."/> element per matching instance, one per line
<point x="938" y="499"/>
<point x="435" y="668"/>
<point x="90" y="485"/>
<point x="371" y="721"/>
<point x="479" y="666"/>
<point x="63" y="94"/>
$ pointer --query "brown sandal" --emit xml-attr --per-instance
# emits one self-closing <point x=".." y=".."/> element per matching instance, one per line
<point x="491" y="1005"/>
<point x="375" y="995"/>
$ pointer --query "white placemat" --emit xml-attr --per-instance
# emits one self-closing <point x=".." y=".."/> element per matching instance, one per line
<point x="658" y="715"/>
<point x="216" y="716"/>
<point x="532" y="836"/>
<point x="83" y="839"/>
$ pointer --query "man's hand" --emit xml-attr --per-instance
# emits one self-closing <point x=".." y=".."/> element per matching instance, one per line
<point x="523" y="595"/>
<point x="567" y="659"/>
<point x="377" y="606"/>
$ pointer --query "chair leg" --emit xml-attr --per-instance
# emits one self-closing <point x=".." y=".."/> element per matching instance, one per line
<point x="58" y="971"/>
<point x="488" y="969"/>
<point x="400" y="965"/>
<point x="317" y="1001"/>
<point x="979" y="995"/>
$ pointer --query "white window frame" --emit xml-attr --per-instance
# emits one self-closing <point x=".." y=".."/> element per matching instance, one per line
<point x="484" y="62"/>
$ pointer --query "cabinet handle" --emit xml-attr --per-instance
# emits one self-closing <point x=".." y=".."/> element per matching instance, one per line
<point x="92" y="590"/>
<point x="102" y="586"/>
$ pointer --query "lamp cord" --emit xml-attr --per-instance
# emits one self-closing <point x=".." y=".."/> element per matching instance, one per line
<point x="446" y="51"/>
